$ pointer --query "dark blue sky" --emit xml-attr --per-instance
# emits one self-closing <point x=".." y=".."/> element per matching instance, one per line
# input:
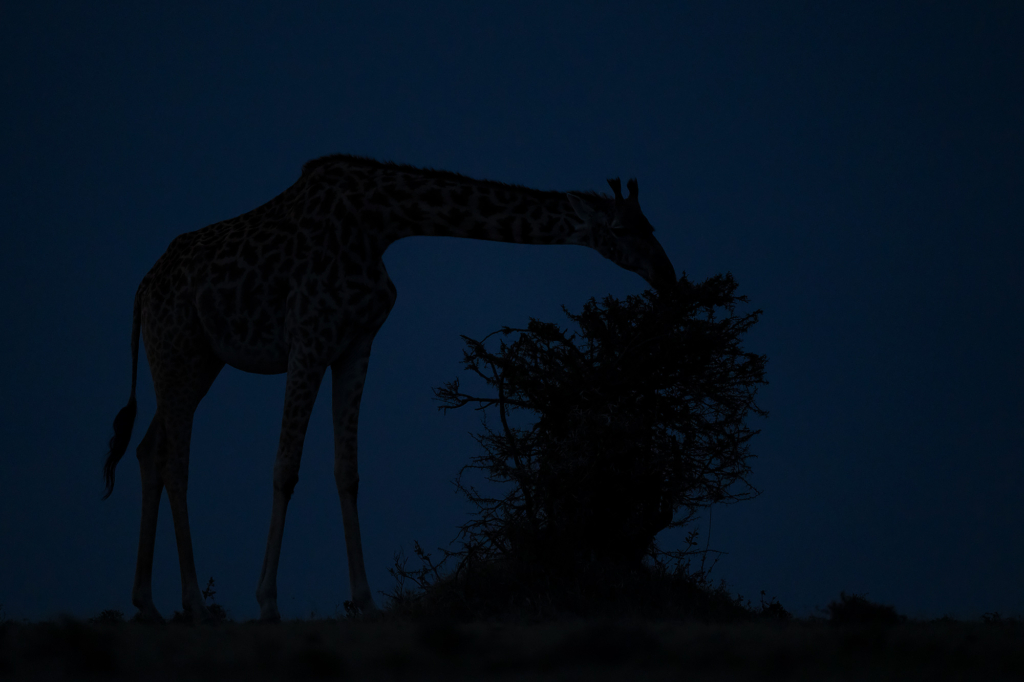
<point x="858" y="167"/>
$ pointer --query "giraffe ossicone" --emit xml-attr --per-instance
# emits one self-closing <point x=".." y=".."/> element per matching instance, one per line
<point x="298" y="286"/>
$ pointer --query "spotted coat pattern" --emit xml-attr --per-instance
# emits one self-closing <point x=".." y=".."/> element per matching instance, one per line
<point x="298" y="285"/>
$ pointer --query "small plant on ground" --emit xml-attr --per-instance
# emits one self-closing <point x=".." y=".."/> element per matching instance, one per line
<point x="855" y="609"/>
<point x="216" y="610"/>
<point x="995" y="618"/>
<point x="773" y="610"/>
<point x="108" y="617"/>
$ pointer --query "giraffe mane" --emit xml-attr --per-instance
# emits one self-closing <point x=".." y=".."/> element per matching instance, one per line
<point x="365" y="161"/>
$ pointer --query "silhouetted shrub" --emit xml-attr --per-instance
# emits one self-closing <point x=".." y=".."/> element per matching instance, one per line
<point x="773" y="610"/>
<point x="638" y="423"/>
<point x="108" y="617"/>
<point x="856" y="610"/>
<point x="997" y="619"/>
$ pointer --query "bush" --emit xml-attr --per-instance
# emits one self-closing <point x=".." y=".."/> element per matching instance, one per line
<point x="108" y="617"/>
<point x="638" y="424"/>
<point x="856" y="610"/>
<point x="507" y="589"/>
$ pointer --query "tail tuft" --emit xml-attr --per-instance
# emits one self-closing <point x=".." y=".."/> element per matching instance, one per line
<point x="123" y="423"/>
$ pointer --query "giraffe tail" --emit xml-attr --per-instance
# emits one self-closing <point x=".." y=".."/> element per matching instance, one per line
<point x="125" y="419"/>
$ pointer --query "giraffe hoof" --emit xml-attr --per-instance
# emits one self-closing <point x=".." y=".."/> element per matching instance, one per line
<point x="270" y="614"/>
<point x="204" y="617"/>
<point x="148" y="615"/>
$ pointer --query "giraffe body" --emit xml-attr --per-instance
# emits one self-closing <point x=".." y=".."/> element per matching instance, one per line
<point x="298" y="285"/>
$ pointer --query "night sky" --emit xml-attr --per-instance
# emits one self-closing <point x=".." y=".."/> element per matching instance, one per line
<point x="858" y="167"/>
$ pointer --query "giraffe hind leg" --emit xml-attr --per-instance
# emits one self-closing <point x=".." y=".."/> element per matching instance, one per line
<point x="152" y="489"/>
<point x="181" y="380"/>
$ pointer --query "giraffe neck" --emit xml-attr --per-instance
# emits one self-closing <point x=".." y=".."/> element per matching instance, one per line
<point x="402" y="201"/>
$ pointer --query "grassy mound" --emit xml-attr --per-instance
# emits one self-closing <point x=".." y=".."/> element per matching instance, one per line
<point x="517" y="592"/>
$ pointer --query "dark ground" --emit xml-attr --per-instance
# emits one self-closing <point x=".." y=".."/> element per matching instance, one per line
<point x="568" y="650"/>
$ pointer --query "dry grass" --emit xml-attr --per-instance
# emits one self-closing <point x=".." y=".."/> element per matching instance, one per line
<point x="567" y="650"/>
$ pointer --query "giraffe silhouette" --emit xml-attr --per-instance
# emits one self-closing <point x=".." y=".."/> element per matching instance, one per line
<point x="298" y="285"/>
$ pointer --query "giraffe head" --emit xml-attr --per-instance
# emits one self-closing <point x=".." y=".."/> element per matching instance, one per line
<point x="620" y="232"/>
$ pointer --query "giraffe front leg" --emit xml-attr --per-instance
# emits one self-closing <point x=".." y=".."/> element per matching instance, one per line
<point x="347" y="389"/>
<point x="300" y="394"/>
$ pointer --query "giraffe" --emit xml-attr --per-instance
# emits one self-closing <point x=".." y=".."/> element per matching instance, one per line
<point x="297" y="286"/>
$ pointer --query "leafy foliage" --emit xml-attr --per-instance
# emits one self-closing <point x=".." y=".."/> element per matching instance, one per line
<point x="604" y="437"/>
<point x="639" y="424"/>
